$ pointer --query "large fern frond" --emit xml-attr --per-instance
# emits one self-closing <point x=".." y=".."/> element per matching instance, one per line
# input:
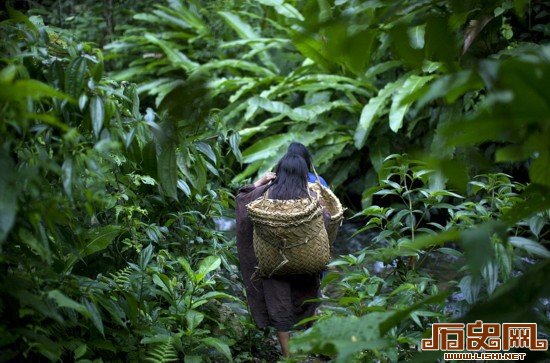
<point x="162" y="353"/>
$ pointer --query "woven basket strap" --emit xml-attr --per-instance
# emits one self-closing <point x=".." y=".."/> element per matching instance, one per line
<point x="264" y="195"/>
<point x="318" y="181"/>
<point x="283" y="262"/>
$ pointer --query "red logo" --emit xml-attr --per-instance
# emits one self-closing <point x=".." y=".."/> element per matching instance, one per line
<point x="487" y="337"/>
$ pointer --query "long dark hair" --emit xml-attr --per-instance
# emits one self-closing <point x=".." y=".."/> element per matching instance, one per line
<point x="300" y="149"/>
<point x="291" y="180"/>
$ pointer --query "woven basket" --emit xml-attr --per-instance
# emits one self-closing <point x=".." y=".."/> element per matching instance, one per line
<point x="333" y="206"/>
<point x="289" y="236"/>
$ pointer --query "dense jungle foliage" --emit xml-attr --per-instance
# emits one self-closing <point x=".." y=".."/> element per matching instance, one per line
<point x="127" y="127"/>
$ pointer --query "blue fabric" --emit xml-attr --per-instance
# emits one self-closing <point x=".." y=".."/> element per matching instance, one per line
<point x="311" y="178"/>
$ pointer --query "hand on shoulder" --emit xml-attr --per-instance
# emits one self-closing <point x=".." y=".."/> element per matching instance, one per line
<point x="266" y="178"/>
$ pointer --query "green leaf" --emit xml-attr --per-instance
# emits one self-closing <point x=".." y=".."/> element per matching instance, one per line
<point x="162" y="281"/>
<point x="192" y="18"/>
<point x="416" y="36"/>
<point x="271" y="106"/>
<point x="539" y="171"/>
<point x="536" y="224"/>
<point x="8" y="194"/>
<point x="115" y="310"/>
<point x="145" y="256"/>
<point x="168" y="170"/>
<point x="39" y="246"/>
<point x="171" y="17"/>
<point x="250" y="170"/>
<point x="82" y="101"/>
<point x="198" y="174"/>
<point x="66" y="302"/>
<point x="95" y="316"/>
<point x="226" y="64"/>
<point x="398" y="316"/>
<point x="162" y="353"/>
<point x="21" y="18"/>
<point x="193" y="319"/>
<point x="234" y="141"/>
<point x="75" y="75"/>
<point x="425" y="241"/>
<point x="97" y="114"/>
<point x="512" y="153"/>
<point x="490" y="275"/>
<point x="132" y="310"/>
<point x="450" y="252"/>
<point x="441" y="44"/>
<point x="470" y="287"/>
<point x="313" y="49"/>
<point x="478" y="248"/>
<point x="267" y="147"/>
<point x="451" y="87"/>
<point x="381" y="68"/>
<point x="283" y="8"/>
<point x="192" y="359"/>
<point x="186" y="267"/>
<point x="304" y="113"/>
<point x="67" y="175"/>
<point x="80" y="351"/>
<point x="400" y="108"/>
<point x="31" y="88"/>
<point x="207" y="265"/>
<point x="244" y="30"/>
<point x="343" y="337"/>
<point x="158" y="338"/>
<point x="8" y="73"/>
<point x="184" y="187"/>
<point x="165" y="89"/>
<point x="372" y="110"/>
<point x="206" y="150"/>
<point x="402" y="46"/>
<point x="514" y="301"/>
<point x="217" y="295"/>
<point x="175" y="57"/>
<point x="219" y="346"/>
<point x="530" y="246"/>
<point x="99" y="238"/>
<point x="537" y="199"/>
<point x="99" y="67"/>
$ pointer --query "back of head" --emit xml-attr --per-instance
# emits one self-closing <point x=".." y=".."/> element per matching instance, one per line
<point x="299" y="149"/>
<point x="291" y="180"/>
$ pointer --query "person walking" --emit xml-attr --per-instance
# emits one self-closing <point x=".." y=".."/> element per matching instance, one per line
<point x="278" y="301"/>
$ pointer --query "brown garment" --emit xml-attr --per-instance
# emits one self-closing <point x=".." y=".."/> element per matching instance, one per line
<point x="276" y="301"/>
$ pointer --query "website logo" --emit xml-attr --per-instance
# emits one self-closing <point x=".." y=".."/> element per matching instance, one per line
<point x="483" y="339"/>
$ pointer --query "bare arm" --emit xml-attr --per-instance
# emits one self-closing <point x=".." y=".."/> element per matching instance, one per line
<point x="266" y="178"/>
